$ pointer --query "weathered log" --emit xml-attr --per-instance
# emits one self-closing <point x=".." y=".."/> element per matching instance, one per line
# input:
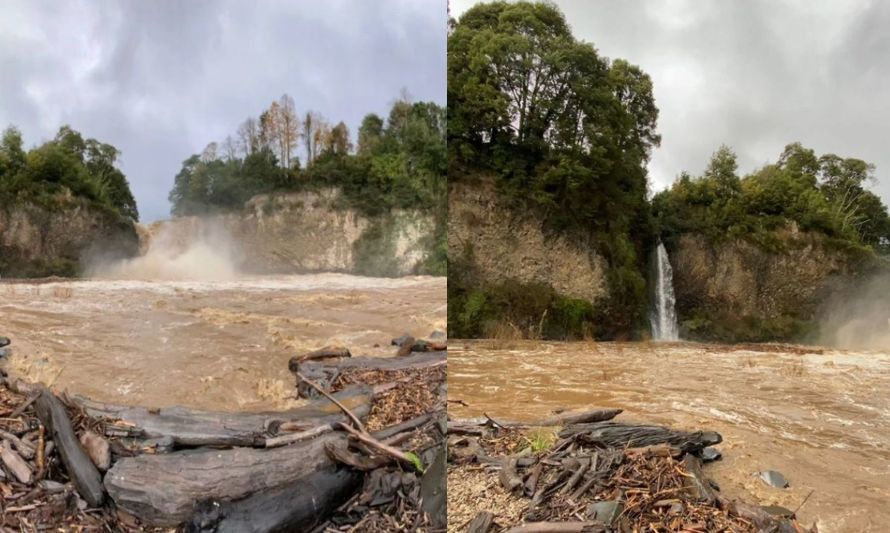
<point x="623" y="435"/>
<point x="15" y="463"/>
<point x="696" y="484"/>
<point x="328" y="352"/>
<point x="476" y="426"/>
<point x="408" y="425"/>
<point x="326" y="371"/>
<point x="508" y="476"/>
<point x="78" y="464"/>
<point x="190" y="428"/>
<point x="578" y="417"/>
<point x="163" y="489"/>
<point x="297" y="506"/>
<point x="25" y="450"/>
<point x="481" y="523"/>
<point x="433" y="491"/>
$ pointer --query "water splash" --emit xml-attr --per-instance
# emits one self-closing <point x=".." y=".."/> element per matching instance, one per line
<point x="663" y="318"/>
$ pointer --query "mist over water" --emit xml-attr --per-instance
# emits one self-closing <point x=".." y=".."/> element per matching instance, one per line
<point x="859" y="318"/>
<point x="186" y="249"/>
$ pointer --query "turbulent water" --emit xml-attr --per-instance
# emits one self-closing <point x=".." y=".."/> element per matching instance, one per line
<point x="210" y="344"/>
<point x="820" y="417"/>
<point x="664" y="314"/>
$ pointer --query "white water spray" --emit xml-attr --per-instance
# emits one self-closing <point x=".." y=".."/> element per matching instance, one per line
<point x="663" y="318"/>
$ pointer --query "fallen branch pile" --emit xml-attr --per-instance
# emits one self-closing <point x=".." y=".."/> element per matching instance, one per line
<point x="76" y="463"/>
<point x="597" y="477"/>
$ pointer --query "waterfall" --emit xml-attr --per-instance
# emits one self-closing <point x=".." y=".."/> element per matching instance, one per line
<point x="664" y="316"/>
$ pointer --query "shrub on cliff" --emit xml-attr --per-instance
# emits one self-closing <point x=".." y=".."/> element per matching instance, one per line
<point x="66" y="165"/>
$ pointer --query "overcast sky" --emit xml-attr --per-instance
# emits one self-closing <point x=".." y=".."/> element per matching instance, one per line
<point x="755" y="75"/>
<point x="161" y="79"/>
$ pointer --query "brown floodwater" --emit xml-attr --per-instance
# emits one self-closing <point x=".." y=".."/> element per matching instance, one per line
<point x="819" y="416"/>
<point x="220" y="345"/>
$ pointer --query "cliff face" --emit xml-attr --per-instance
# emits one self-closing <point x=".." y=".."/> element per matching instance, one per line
<point x="36" y="241"/>
<point x="510" y="275"/>
<point x="307" y="232"/>
<point x="736" y="291"/>
<point x="500" y="244"/>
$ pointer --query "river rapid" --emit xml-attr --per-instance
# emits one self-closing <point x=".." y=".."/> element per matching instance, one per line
<point x="221" y="345"/>
<point x="819" y="416"/>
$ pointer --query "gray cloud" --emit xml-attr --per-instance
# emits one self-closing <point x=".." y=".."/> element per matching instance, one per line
<point x="160" y="80"/>
<point x="755" y="75"/>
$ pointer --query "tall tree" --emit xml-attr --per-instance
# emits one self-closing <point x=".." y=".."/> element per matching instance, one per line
<point x="339" y="142"/>
<point x="369" y="133"/>
<point x="289" y="128"/>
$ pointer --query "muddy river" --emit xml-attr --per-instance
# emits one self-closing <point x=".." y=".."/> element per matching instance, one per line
<point x="215" y="345"/>
<point x="821" y="417"/>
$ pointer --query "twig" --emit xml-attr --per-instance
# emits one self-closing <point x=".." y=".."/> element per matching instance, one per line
<point x="41" y="451"/>
<point x="359" y="430"/>
<point x="494" y="422"/>
<point x="290" y="438"/>
<point x="21" y="408"/>
<point x="374" y="443"/>
<point x="346" y="411"/>
<point x="804" y="501"/>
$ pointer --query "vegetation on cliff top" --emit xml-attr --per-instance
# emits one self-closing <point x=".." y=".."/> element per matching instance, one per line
<point x="824" y="194"/>
<point x="398" y="162"/>
<point x="567" y="134"/>
<point x="824" y="197"/>
<point x="64" y="167"/>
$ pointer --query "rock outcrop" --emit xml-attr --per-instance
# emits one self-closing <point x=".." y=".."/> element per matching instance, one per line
<point x="307" y="232"/>
<point x="502" y="244"/>
<point x="737" y="291"/>
<point x="38" y="241"/>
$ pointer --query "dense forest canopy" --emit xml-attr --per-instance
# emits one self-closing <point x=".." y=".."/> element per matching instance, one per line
<point x="825" y="194"/>
<point x="558" y="123"/>
<point x="399" y="161"/>
<point x="565" y="132"/>
<point x="66" y="165"/>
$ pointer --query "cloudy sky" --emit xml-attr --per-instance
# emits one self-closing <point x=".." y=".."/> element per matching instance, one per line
<point x="161" y="79"/>
<point x="755" y="75"/>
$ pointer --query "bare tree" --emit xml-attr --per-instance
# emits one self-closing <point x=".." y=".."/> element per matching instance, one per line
<point x="288" y="126"/>
<point x="249" y="136"/>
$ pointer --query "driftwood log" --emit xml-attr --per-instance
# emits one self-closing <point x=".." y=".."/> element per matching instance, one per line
<point x="324" y="372"/>
<point x="478" y="426"/>
<point x="327" y="352"/>
<point x="625" y="435"/>
<point x="80" y="468"/>
<point x="297" y="506"/>
<point x="162" y="490"/>
<point x="191" y="428"/>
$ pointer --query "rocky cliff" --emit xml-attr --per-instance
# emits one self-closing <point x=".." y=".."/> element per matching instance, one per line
<point x="737" y="291"/>
<point x="508" y="270"/>
<point x="306" y="232"/>
<point x="37" y="241"/>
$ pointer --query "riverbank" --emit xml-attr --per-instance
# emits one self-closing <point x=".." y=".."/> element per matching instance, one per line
<point x="817" y="415"/>
<point x="72" y="462"/>
<point x="583" y="471"/>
